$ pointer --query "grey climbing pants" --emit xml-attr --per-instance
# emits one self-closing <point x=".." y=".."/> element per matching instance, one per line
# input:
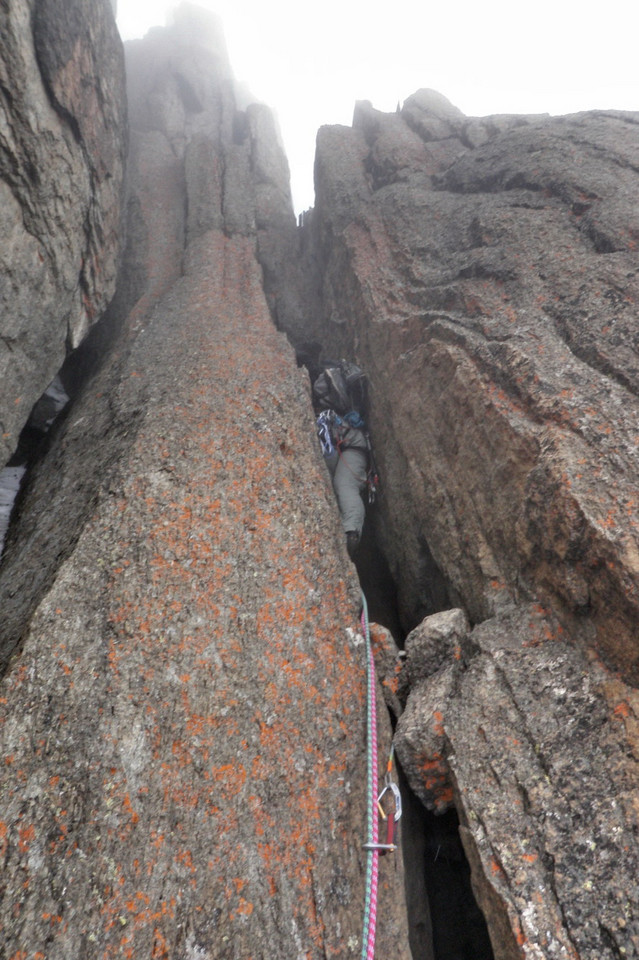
<point x="349" y="479"/>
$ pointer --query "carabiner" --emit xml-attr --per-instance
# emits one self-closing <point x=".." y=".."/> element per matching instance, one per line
<point x="391" y="827"/>
<point x="392" y="786"/>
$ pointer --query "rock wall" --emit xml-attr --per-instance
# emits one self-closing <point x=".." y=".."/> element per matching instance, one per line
<point x="63" y="111"/>
<point x="484" y="272"/>
<point x="183" y="732"/>
<point x="196" y="155"/>
<point x="536" y="747"/>
<point x="182" y="721"/>
<point x="474" y="281"/>
<point x="182" y="715"/>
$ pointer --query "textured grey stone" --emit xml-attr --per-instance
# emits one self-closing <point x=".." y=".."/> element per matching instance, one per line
<point x="63" y="117"/>
<point x="435" y="642"/>
<point x="490" y="294"/>
<point x="186" y="682"/>
<point x="492" y="301"/>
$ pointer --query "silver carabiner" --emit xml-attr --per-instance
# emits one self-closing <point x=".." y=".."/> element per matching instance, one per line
<point x="392" y="786"/>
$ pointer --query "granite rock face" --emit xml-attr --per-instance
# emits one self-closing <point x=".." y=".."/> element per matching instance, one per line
<point x="183" y="733"/>
<point x="484" y="273"/>
<point x="499" y="328"/>
<point x="182" y="713"/>
<point x="62" y="149"/>
<point x="537" y="746"/>
<point x="182" y="721"/>
<point x="208" y="164"/>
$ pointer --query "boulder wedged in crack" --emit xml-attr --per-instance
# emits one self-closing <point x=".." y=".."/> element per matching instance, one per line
<point x="536" y="745"/>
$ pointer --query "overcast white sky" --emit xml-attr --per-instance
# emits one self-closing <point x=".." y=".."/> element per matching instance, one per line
<point x="311" y="62"/>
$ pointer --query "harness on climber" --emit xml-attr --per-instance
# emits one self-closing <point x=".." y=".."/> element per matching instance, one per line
<point x="332" y="431"/>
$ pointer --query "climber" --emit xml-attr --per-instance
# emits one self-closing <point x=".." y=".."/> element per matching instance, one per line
<point x="339" y="392"/>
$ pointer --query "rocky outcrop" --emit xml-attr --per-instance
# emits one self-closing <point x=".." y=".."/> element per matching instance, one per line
<point x="198" y="161"/>
<point x="537" y="746"/>
<point x="183" y="733"/>
<point x="182" y="723"/>
<point x="484" y="273"/>
<point x="61" y="173"/>
<point x="182" y="716"/>
<point x="498" y="326"/>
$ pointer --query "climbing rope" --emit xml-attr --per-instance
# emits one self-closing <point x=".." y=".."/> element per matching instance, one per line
<point x="374" y="802"/>
<point x="372" y="829"/>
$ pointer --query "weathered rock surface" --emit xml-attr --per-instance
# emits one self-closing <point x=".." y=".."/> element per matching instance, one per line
<point x="484" y="272"/>
<point x="183" y="132"/>
<point x="199" y="158"/>
<point x="182" y="719"/>
<point x="539" y="746"/>
<point x="183" y="733"/>
<point x="182" y="724"/>
<point x="63" y="117"/>
<point x="499" y="327"/>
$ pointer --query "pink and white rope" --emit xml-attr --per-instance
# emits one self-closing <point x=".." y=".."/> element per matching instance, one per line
<point x="372" y="864"/>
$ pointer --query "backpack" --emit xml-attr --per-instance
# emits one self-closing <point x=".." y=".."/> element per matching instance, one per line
<point x="341" y="387"/>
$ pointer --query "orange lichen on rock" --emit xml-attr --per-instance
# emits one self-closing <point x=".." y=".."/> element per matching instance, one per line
<point x="217" y="701"/>
<point x="436" y="785"/>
